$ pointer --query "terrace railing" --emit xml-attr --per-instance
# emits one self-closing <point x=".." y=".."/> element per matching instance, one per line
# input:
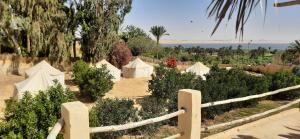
<point x="75" y="121"/>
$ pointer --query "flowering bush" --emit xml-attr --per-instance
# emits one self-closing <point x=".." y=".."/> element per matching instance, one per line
<point x="171" y="62"/>
<point x="120" y="55"/>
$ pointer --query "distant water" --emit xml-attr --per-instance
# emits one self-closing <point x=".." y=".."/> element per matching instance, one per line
<point x="234" y="46"/>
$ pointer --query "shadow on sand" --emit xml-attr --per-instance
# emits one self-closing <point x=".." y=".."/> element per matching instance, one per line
<point x="291" y="135"/>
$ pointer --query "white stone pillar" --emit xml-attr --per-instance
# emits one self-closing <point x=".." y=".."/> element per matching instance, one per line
<point x="76" y="118"/>
<point x="189" y="123"/>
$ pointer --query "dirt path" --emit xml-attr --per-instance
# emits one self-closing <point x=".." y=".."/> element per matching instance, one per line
<point x="284" y="125"/>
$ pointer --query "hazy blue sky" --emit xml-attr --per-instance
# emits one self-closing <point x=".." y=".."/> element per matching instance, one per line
<point x="282" y="24"/>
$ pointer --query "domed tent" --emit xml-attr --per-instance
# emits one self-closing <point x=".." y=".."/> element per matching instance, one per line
<point x="137" y="68"/>
<point x="115" y="72"/>
<point x="199" y="69"/>
<point x="46" y="68"/>
<point x="39" y="81"/>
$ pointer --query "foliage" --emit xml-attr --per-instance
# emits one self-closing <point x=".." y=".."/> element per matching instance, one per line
<point x="37" y="26"/>
<point x="292" y="54"/>
<point x="120" y="55"/>
<point x="95" y="82"/>
<point x="140" y="44"/>
<point x="171" y="62"/>
<point x="31" y="117"/>
<point x="100" y="21"/>
<point x="165" y="84"/>
<point x="112" y="112"/>
<point x="221" y="84"/>
<point x="285" y="79"/>
<point x="151" y="107"/>
<point x="260" y="51"/>
<point x="158" y="32"/>
<point x="222" y="9"/>
<point x="80" y="68"/>
<point x="132" y="31"/>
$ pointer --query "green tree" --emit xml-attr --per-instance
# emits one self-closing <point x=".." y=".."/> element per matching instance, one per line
<point x="131" y="32"/>
<point x="158" y="32"/>
<point x="140" y="44"/>
<point x="36" y="27"/>
<point x="100" y="21"/>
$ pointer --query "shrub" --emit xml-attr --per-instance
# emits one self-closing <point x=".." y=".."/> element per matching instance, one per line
<point x="120" y="55"/>
<point x="31" y="117"/>
<point x="96" y="82"/>
<point x="221" y="84"/>
<point x="171" y="62"/>
<point x="79" y="70"/>
<point x="165" y="84"/>
<point x="151" y="107"/>
<point x="112" y="112"/>
<point x="285" y="79"/>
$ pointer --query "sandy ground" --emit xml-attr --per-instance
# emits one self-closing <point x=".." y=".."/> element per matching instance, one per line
<point x="132" y="88"/>
<point x="7" y="89"/>
<point x="284" y="125"/>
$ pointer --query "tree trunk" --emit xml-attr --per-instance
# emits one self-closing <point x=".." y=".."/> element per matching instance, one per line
<point x="74" y="48"/>
<point x="28" y="43"/>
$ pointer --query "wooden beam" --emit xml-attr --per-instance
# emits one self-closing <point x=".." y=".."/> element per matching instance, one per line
<point x="286" y="4"/>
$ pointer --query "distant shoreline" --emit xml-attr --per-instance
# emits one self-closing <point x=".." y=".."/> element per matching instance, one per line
<point x="279" y="46"/>
<point x="166" y="42"/>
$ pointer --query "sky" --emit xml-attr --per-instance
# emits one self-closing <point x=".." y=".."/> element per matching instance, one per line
<point x="281" y="24"/>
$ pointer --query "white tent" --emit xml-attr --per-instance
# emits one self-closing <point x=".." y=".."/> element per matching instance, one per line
<point x="39" y="81"/>
<point x="115" y="72"/>
<point x="137" y="68"/>
<point x="199" y="69"/>
<point x="47" y="68"/>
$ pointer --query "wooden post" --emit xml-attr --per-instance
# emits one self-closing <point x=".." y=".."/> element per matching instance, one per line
<point x="189" y="123"/>
<point x="76" y="118"/>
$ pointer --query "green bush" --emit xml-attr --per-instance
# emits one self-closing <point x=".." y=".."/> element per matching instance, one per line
<point x="31" y="117"/>
<point x="96" y="82"/>
<point x="221" y="84"/>
<point x="166" y="82"/>
<point x="112" y="112"/>
<point x="79" y="70"/>
<point x="151" y="107"/>
<point x="285" y="79"/>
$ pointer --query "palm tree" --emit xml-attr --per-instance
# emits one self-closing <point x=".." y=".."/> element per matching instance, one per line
<point x="295" y="46"/>
<point x="219" y="9"/>
<point x="158" y="32"/>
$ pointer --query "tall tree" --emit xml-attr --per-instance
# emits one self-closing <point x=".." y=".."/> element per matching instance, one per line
<point x="38" y="26"/>
<point x="158" y="32"/>
<point x="100" y="21"/>
<point x="132" y="31"/>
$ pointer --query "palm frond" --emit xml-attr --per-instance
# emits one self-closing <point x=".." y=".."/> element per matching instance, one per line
<point x="219" y="9"/>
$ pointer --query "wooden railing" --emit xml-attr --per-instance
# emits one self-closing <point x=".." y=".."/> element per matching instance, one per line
<point x="76" y="123"/>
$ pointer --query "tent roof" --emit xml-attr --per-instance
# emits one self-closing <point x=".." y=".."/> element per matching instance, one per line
<point x="137" y="63"/>
<point x="108" y="65"/>
<point x="36" y="82"/>
<point x="44" y="66"/>
<point x="198" y="68"/>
